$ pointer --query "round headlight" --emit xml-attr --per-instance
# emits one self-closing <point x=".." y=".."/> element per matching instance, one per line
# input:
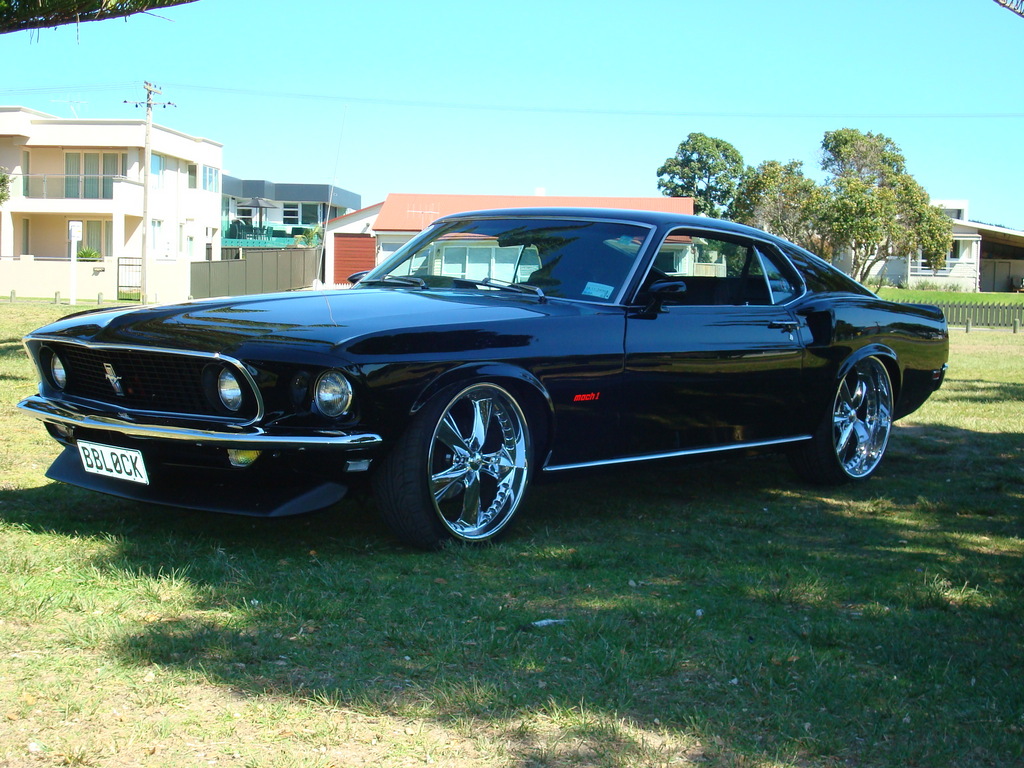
<point x="229" y="390"/>
<point x="333" y="394"/>
<point x="58" y="375"/>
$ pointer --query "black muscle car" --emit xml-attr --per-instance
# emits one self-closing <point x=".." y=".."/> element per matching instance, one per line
<point x="494" y="346"/>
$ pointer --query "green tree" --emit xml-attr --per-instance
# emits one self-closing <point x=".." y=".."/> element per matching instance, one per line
<point x="16" y="15"/>
<point x="873" y="209"/>
<point x="869" y="156"/>
<point x="780" y="199"/>
<point x="5" y="186"/>
<point x="704" y="168"/>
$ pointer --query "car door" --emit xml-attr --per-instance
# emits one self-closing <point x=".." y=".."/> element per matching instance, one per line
<point x="719" y="364"/>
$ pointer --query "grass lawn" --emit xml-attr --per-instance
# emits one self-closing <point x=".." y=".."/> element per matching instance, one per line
<point x="950" y="297"/>
<point x="715" y="614"/>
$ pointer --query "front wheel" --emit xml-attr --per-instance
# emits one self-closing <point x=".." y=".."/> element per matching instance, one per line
<point x="851" y="440"/>
<point x="460" y="471"/>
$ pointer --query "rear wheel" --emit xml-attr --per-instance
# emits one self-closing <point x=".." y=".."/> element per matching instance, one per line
<point x="460" y="471"/>
<point x="851" y="440"/>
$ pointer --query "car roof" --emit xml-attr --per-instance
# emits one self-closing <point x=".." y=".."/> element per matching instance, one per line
<point x="654" y="218"/>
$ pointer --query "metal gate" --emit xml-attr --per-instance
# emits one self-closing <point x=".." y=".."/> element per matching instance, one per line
<point x="129" y="278"/>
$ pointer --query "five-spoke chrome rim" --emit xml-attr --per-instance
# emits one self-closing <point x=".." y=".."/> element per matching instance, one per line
<point x="479" y="462"/>
<point x="862" y="417"/>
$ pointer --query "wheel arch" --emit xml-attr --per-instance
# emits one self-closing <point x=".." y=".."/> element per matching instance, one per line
<point x="886" y="355"/>
<point x="529" y="391"/>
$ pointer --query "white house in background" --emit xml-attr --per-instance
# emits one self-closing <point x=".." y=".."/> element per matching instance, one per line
<point x="984" y="257"/>
<point x="363" y="238"/>
<point x="92" y="171"/>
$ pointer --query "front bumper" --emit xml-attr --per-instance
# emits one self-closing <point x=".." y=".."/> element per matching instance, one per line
<point x="227" y="436"/>
<point x="188" y="466"/>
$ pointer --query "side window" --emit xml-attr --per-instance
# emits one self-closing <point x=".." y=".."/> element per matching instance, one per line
<point x="821" y="277"/>
<point x="782" y="288"/>
<point x="716" y="269"/>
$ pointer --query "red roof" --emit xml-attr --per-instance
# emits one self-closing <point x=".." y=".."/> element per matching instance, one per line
<point x="411" y="213"/>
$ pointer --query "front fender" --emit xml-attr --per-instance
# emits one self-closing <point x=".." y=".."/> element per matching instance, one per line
<point x="478" y="371"/>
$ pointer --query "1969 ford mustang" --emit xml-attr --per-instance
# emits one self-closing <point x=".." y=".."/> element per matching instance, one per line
<point x="493" y="347"/>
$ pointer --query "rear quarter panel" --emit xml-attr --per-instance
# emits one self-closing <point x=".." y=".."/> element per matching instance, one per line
<point x="912" y="340"/>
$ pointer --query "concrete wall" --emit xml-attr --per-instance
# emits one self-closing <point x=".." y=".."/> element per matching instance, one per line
<point x="168" y="280"/>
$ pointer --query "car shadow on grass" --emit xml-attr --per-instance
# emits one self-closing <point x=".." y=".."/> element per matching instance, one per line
<point x="724" y="602"/>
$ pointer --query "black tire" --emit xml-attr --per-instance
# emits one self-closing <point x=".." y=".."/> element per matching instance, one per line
<point x="851" y="439"/>
<point x="460" y="470"/>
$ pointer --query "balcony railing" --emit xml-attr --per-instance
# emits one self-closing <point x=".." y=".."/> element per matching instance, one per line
<point x="58" y="186"/>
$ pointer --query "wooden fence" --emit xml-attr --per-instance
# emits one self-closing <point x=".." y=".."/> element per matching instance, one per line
<point x="983" y="315"/>
<point x="260" y="271"/>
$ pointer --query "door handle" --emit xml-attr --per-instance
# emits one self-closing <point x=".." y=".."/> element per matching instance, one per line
<point x="784" y="325"/>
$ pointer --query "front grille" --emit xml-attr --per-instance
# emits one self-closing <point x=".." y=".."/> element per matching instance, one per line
<point x="162" y="382"/>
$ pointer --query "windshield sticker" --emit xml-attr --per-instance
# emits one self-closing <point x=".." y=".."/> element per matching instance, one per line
<point x="598" y="290"/>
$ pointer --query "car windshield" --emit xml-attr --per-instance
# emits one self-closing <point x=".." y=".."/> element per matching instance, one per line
<point x="564" y="258"/>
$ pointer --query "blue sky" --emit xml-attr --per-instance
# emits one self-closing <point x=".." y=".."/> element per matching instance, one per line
<point x="574" y="98"/>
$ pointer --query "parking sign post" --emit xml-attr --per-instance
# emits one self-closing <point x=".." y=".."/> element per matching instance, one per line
<point x="75" y="236"/>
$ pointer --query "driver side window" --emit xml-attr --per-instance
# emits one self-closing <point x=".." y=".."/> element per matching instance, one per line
<point x="716" y="270"/>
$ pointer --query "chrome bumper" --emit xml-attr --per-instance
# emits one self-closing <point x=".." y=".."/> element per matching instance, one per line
<point x="249" y="437"/>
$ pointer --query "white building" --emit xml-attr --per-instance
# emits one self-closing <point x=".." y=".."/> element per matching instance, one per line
<point x="984" y="257"/>
<point x="92" y="171"/>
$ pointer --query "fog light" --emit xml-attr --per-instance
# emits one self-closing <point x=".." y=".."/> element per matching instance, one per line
<point x="58" y="375"/>
<point x="242" y="458"/>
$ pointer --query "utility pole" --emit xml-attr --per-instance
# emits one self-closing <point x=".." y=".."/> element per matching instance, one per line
<point x="146" y="162"/>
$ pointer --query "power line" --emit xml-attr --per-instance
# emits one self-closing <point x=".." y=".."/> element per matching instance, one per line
<point x="538" y="109"/>
<point x="591" y="110"/>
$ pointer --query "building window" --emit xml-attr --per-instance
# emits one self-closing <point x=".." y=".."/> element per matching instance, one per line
<point x="960" y="250"/>
<point x="156" y="243"/>
<point x="307" y="214"/>
<point x="91" y="178"/>
<point x="94" y="236"/>
<point x="111" y="168"/>
<point x="478" y="262"/>
<point x="193" y="176"/>
<point x="211" y="179"/>
<point x="157" y="164"/>
<point x="91" y="175"/>
<point x="24" y="238"/>
<point x="72" y="175"/>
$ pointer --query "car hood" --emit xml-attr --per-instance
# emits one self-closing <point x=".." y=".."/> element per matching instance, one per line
<point x="350" y="319"/>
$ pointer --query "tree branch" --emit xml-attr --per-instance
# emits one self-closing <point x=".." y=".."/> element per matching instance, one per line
<point x="17" y="15"/>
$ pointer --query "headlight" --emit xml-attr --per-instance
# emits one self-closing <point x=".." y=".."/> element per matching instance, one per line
<point x="229" y="390"/>
<point x="333" y="394"/>
<point x="58" y="375"/>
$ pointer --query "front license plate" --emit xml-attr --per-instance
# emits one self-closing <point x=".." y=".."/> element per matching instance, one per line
<point x="122" y="463"/>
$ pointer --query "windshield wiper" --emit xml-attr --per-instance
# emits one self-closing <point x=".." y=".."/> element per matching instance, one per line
<point x="490" y="282"/>
<point x="405" y="280"/>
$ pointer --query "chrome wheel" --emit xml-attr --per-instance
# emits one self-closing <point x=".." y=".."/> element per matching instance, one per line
<point x="478" y="463"/>
<point x="862" y="418"/>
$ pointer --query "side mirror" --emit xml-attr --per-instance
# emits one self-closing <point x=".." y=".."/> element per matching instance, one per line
<point x="668" y="290"/>
<point x="355" y="277"/>
<point x="660" y="293"/>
